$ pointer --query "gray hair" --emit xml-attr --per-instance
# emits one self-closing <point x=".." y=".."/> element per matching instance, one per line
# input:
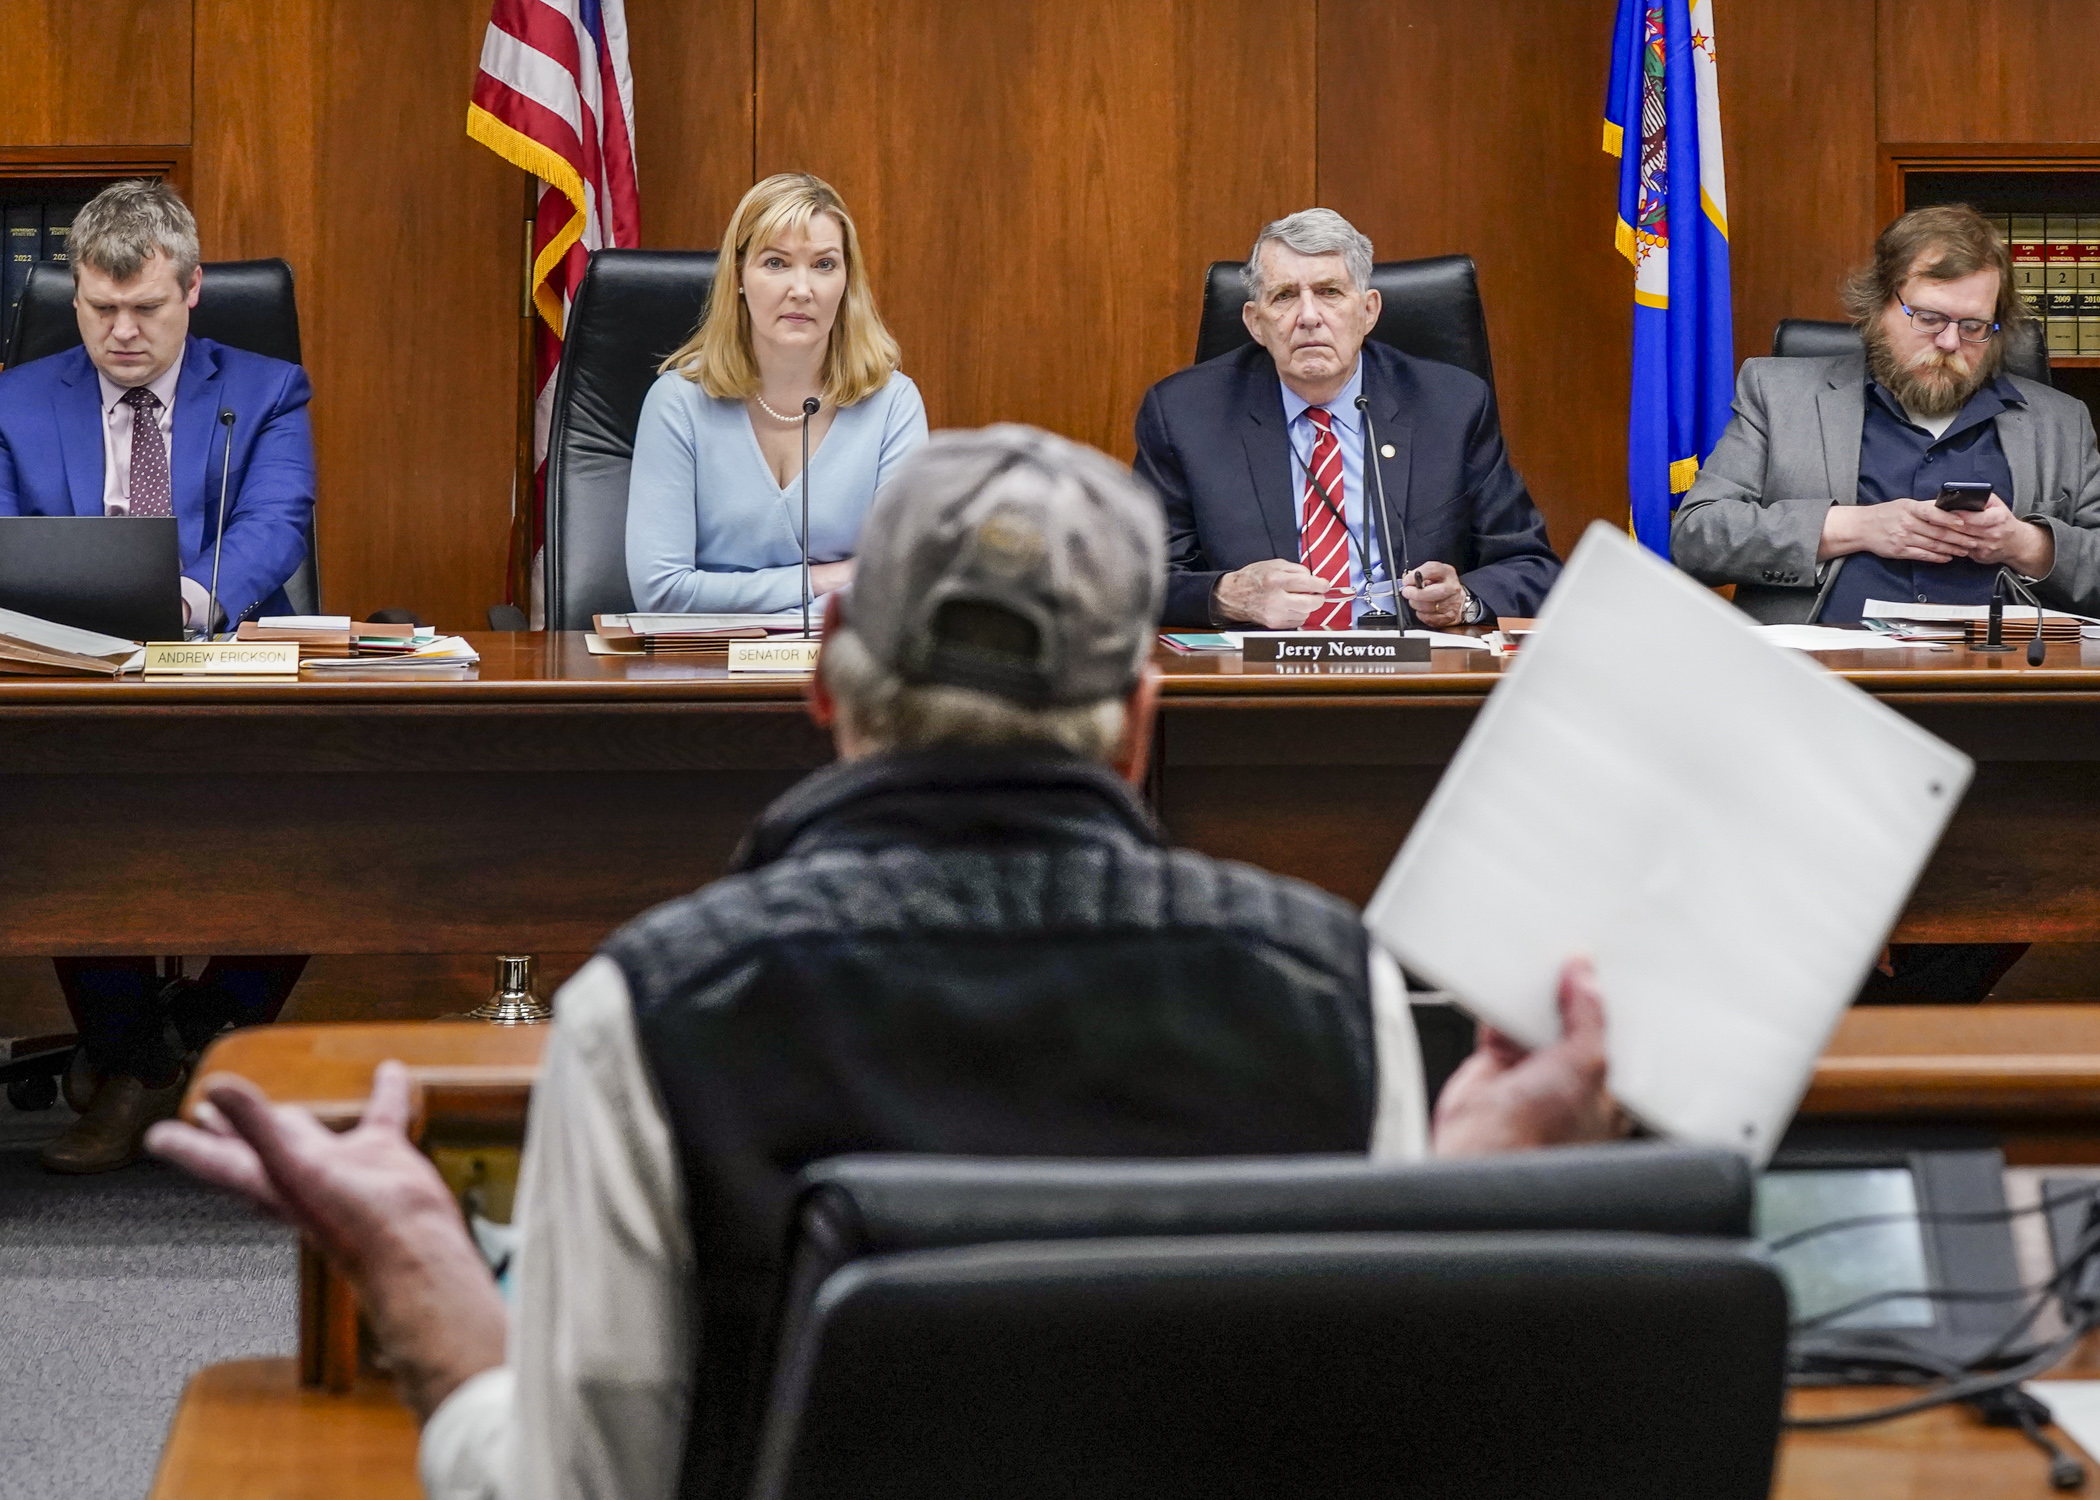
<point x="888" y="714"/>
<point x="1312" y="231"/>
<point x="125" y="223"/>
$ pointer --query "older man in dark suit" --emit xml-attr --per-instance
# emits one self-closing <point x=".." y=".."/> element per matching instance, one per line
<point x="1284" y="464"/>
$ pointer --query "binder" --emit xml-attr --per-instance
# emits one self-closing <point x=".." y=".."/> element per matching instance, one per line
<point x="21" y="234"/>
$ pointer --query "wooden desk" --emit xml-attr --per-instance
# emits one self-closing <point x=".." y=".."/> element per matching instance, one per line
<point x="540" y="802"/>
<point x="545" y="799"/>
<point x="1946" y="1454"/>
<point x="251" y="1428"/>
<point x="248" y="1430"/>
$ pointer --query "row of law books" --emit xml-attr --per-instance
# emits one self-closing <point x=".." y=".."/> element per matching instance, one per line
<point x="29" y="232"/>
<point x="2056" y="266"/>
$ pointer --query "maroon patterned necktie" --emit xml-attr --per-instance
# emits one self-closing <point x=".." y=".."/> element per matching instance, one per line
<point x="151" y="492"/>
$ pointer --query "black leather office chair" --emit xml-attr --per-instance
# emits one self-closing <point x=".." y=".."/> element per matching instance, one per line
<point x="1431" y="310"/>
<point x="248" y="304"/>
<point x="1575" y="1323"/>
<point x="1811" y="338"/>
<point x="634" y="307"/>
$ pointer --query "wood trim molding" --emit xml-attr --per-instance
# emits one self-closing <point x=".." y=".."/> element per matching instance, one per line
<point x="170" y="162"/>
<point x="1897" y="159"/>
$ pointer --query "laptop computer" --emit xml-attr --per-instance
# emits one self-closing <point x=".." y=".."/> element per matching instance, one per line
<point x="119" y="575"/>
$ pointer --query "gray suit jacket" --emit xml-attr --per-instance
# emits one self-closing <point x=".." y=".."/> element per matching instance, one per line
<point x="1754" y="517"/>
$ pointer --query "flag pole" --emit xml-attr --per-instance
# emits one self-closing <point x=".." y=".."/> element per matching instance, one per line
<point x="524" y="489"/>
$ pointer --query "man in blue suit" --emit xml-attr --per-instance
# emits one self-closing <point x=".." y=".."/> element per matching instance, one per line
<point x="131" y="424"/>
<point x="1259" y="457"/>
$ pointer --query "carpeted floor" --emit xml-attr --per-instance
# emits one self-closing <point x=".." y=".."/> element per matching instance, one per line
<point x="113" y="1290"/>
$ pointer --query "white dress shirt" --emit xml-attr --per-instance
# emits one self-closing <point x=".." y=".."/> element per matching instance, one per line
<point x="592" y="1400"/>
<point x="116" y="461"/>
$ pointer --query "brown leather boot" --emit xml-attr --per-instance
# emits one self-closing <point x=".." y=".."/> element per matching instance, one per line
<point x="107" y="1136"/>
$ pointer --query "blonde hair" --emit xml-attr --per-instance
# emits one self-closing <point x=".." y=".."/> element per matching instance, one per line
<point x="718" y="357"/>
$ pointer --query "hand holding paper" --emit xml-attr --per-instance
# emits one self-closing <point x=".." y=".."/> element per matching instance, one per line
<point x="1728" y="831"/>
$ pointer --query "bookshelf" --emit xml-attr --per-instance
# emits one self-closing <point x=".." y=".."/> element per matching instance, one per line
<point x="33" y="177"/>
<point x="2015" y="179"/>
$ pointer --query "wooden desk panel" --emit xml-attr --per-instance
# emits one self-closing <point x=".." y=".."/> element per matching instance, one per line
<point x="538" y="803"/>
<point x="247" y="1430"/>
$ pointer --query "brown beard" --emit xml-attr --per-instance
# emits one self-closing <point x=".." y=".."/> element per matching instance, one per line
<point x="1934" y="384"/>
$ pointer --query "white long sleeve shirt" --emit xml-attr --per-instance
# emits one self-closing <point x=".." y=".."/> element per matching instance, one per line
<point x="592" y="1400"/>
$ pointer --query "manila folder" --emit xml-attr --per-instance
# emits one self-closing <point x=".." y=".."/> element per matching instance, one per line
<point x="1729" y="831"/>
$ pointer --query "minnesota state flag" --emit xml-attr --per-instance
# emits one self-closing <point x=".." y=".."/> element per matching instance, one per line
<point x="1663" y="122"/>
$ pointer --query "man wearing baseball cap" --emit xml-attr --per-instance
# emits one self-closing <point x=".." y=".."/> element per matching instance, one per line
<point x="965" y="937"/>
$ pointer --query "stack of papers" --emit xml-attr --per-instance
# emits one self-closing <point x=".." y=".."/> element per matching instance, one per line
<point x="1961" y="621"/>
<point x="686" y="635"/>
<point x="1729" y="832"/>
<point x="1837" y="638"/>
<point x="431" y="651"/>
<point x="35" y="647"/>
<point x="336" y="635"/>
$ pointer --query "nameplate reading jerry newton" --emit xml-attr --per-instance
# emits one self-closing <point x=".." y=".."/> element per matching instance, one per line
<point x="222" y="659"/>
<point x="1337" y="646"/>
<point x="772" y="656"/>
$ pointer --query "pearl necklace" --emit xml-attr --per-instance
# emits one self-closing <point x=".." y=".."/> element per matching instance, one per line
<point x="776" y="416"/>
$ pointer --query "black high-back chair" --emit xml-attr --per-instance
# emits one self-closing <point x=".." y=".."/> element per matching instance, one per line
<point x="634" y="307"/>
<point x="1431" y="309"/>
<point x="2026" y="352"/>
<point x="247" y="304"/>
<point x="1578" y="1323"/>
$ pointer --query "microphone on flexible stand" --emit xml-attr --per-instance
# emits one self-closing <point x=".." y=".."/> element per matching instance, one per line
<point x="211" y="603"/>
<point x="810" y="407"/>
<point x="1391" y="619"/>
<point x="1994" y="632"/>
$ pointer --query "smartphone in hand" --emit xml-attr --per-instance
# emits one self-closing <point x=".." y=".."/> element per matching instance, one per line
<point x="1964" y="494"/>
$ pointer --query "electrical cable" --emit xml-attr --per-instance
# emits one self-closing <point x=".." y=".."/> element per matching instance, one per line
<point x="1940" y="1216"/>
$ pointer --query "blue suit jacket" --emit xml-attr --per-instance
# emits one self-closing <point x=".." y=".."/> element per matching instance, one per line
<point x="1211" y="441"/>
<point x="51" y="461"/>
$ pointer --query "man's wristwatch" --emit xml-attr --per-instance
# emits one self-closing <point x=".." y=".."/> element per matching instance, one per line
<point x="1475" y="610"/>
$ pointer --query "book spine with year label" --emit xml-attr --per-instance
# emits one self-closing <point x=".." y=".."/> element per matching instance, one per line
<point x="58" y="233"/>
<point x="2026" y="246"/>
<point x="2060" y="281"/>
<point x="2089" y="284"/>
<point x="21" y="230"/>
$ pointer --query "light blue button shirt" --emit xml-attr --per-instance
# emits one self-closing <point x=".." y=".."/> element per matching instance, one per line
<point x="1348" y="432"/>
<point x="709" y="529"/>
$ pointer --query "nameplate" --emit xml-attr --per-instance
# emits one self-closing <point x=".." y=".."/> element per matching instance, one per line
<point x="775" y="655"/>
<point x="1336" y="646"/>
<point x="222" y="659"/>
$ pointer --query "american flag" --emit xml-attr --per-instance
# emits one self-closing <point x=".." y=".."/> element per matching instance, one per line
<point x="554" y="97"/>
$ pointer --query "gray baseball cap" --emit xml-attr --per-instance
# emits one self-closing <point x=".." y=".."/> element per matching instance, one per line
<point x="1015" y="562"/>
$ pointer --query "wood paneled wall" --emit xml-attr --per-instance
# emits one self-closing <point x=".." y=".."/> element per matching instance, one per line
<point x="94" y="72"/>
<point x="1511" y="93"/>
<point x="1039" y="185"/>
<point x="1038" y="202"/>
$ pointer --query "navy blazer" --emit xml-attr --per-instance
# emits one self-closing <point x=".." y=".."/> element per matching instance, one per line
<point x="1211" y="441"/>
<point x="51" y="461"/>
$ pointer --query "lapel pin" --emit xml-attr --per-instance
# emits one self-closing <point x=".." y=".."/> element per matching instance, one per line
<point x="1386" y="451"/>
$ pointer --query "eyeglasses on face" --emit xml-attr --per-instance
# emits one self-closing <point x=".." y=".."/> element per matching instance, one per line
<point x="1931" y="324"/>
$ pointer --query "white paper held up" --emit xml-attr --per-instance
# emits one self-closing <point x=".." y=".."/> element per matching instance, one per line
<point x="1728" y="831"/>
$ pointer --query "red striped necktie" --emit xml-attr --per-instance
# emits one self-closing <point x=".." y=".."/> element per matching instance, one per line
<point x="1323" y="541"/>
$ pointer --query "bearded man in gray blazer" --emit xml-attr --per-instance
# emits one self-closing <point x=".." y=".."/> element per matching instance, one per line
<point x="1820" y="495"/>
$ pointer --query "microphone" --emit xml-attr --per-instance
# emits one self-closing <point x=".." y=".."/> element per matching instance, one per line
<point x="2036" y="650"/>
<point x="810" y="407"/>
<point x="211" y="605"/>
<point x="1385" y="514"/>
